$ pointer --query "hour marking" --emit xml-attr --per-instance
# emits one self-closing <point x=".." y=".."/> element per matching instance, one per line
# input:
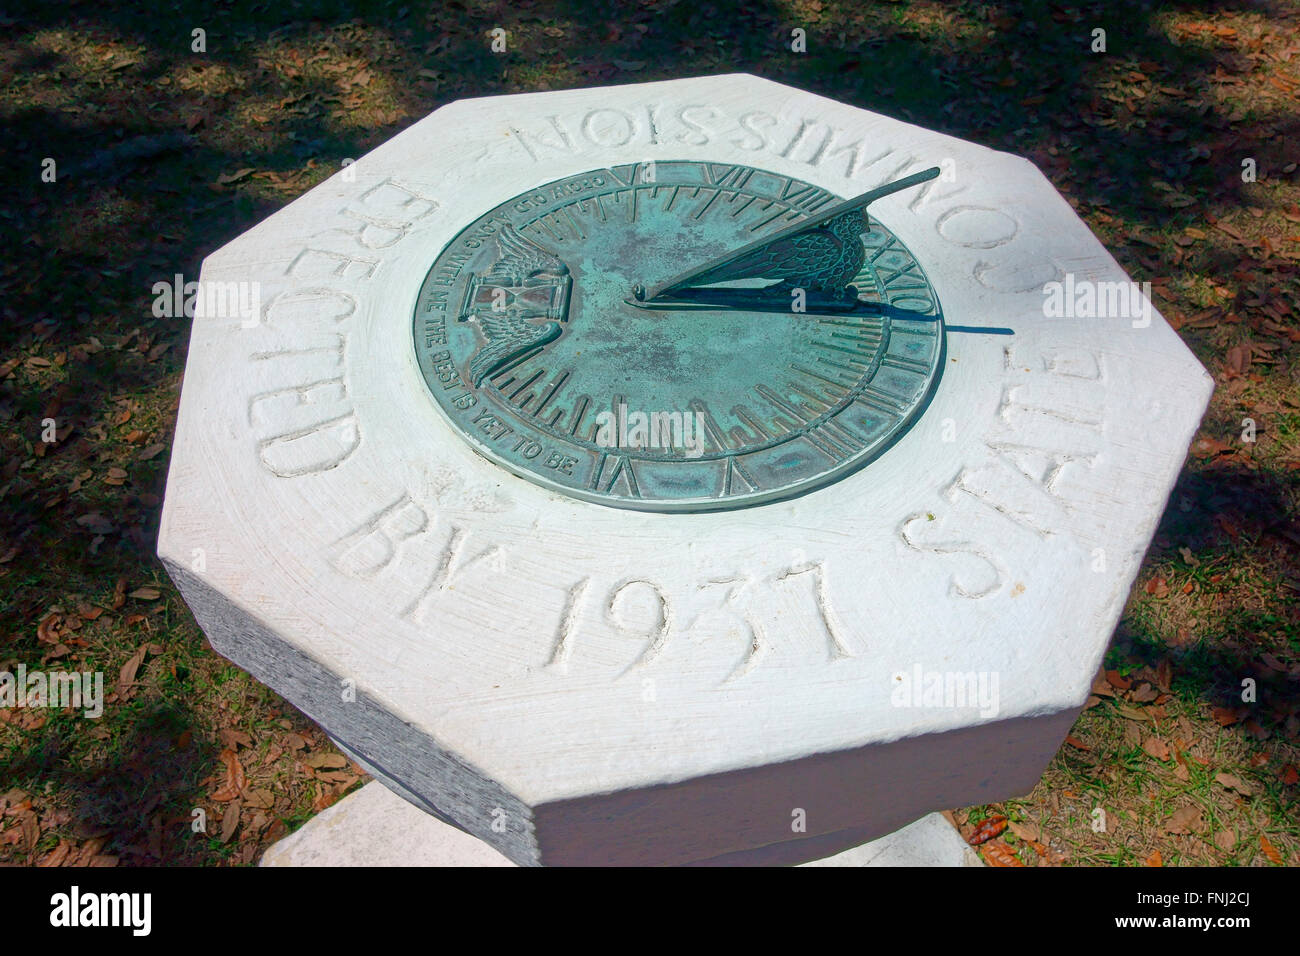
<point x="838" y="383"/>
<point x="705" y="208"/>
<point x="906" y="364"/>
<point x="555" y="389"/>
<point x="734" y="471"/>
<point x="527" y="382"/>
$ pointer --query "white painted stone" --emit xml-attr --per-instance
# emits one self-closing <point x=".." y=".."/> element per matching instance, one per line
<point x="375" y="827"/>
<point x="558" y="677"/>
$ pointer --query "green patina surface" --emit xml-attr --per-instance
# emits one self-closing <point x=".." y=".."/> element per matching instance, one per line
<point x="786" y="341"/>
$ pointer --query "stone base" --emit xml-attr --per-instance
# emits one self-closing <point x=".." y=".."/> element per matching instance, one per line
<point x="375" y="827"/>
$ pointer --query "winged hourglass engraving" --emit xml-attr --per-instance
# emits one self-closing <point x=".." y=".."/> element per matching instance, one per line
<point x="525" y="284"/>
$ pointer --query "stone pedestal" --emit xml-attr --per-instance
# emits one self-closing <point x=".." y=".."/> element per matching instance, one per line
<point x="579" y="684"/>
<point x="375" y="827"/>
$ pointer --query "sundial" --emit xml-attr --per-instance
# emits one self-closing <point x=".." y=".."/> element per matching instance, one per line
<point x="614" y="472"/>
<point x="680" y="335"/>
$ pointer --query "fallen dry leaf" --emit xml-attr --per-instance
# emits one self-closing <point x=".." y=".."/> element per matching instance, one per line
<point x="1156" y="747"/>
<point x="1270" y="850"/>
<point x="126" y="676"/>
<point x="1231" y="782"/>
<point x="1226" y="716"/>
<point x="1029" y="832"/>
<point x="987" y="830"/>
<point x="327" y="760"/>
<point x="234" y="739"/>
<point x="230" y="820"/>
<point x="999" y="854"/>
<point x="1118" y="681"/>
<point x="1184" y="820"/>
<point x="235" y="781"/>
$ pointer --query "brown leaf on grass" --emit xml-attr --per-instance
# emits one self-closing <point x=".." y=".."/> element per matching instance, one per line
<point x="31" y="830"/>
<point x="1156" y="747"/>
<point x="1132" y="713"/>
<point x="1289" y="775"/>
<point x="328" y="797"/>
<point x="1076" y="743"/>
<point x="1237" y="361"/>
<point x="226" y="179"/>
<point x="987" y="829"/>
<point x="57" y="856"/>
<point x="1230" y="782"/>
<point x="230" y="820"/>
<point x="1143" y="694"/>
<point x="1118" y="680"/>
<point x="126" y="676"/>
<point x="1155" y="859"/>
<point x="1165" y="674"/>
<point x="1029" y="832"/>
<point x="1101" y="686"/>
<point x="327" y="760"/>
<point x="1225" y="840"/>
<point x="235" y="781"/>
<point x="1207" y="447"/>
<point x="234" y="739"/>
<point x="47" y="632"/>
<point x="119" y="594"/>
<point x="1226" y="716"/>
<point x="1256" y="730"/>
<point x="1158" y="587"/>
<point x="1184" y="820"/>
<point x="260" y="799"/>
<point x="149" y="452"/>
<point x="145" y="594"/>
<point x="999" y="854"/>
<point x="88" y="612"/>
<point x="1270" y="850"/>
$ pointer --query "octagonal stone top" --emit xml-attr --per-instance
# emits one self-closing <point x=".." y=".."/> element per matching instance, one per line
<point x="578" y="683"/>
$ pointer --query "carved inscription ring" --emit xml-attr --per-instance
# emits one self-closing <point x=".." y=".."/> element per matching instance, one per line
<point x="530" y="346"/>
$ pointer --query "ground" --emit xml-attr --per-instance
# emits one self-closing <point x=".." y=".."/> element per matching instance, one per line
<point x="1171" y="143"/>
